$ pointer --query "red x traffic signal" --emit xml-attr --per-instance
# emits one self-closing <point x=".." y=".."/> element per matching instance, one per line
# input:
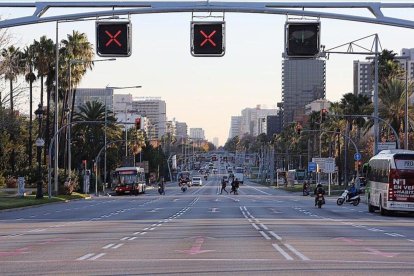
<point x="113" y="38"/>
<point x="207" y="39"/>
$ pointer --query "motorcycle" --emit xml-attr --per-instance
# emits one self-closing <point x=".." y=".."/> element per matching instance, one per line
<point x="320" y="200"/>
<point x="345" y="198"/>
<point x="305" y="190"/>
<point x="161" y="190"/>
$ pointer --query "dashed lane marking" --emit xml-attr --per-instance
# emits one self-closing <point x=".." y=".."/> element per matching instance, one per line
<point x="297" y="253"/>
<point x="275" y="235"/>
<point x="264" y="235"/>
<point x="283" y="252"/>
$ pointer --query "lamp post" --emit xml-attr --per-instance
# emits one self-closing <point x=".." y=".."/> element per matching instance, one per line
<point x="39" y="144"/>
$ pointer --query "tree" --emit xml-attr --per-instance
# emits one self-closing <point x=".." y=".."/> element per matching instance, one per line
<point x="89" y="138"/>
<point x="30" y="77"/>
<point x="75" y="47"/>
<point x="12" y="62"/>
<point x="44" y="60"/>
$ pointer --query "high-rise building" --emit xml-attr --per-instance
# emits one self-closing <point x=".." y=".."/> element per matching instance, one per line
<point x="249" y="117"/>
<point x="216" y="142"/>
<point x="155" y="110"/>
<point x="181" y="130"/>
<point x="235" y="126"/>
<point x="363" y="78"/>
<point x="303" y="81"/>
<point x="102" y="95"/>
<point x="197" y="133"/>
<point x="258" y="126"/>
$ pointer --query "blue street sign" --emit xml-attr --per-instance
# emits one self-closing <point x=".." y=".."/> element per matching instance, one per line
<point x="357" y="156"/>
<point x="312" y="166"/>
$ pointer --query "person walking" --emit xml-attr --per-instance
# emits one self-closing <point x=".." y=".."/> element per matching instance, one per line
<point x="223" y="186"/>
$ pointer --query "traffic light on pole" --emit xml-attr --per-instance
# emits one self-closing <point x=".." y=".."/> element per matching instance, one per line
<point x="113" y="38"/>
<point x="302" y="39"/>
<point x="324" y="113"/>
<point x="207" y="39"/>
<point x="138" y="123"/>
<point x="298" y="128"/>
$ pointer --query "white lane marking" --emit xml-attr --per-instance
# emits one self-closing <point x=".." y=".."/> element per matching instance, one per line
<point x="244" y="207"/>
<point x="411" y="240"/>
<point x="143" y="233"/>
<point x="131" y="239"/>
<point x="137" y="233"/>
<point x="265" y="235"/>
<point x="300" y="255"/>
<point x="258" y="190"/>
<point x="375" y="230"/>
<point x="158" y="225"/>
<point x="394" y="235"/>
<point x="154" y="225"/>
<point x="264" y="226"/>
<point x="281" y="251"/>
<point x="145" y="229"/>
<point x="152" y="228"/>
<point x="250" y="220"/>
<point x="124" y="238"/>
<point x="97" y="257"/>
<point x="84" y="257"/>
<point x="255" y="226"/>
<point x="275" y="235"/>
<point x="108" y="246"/>
<point x="118" y="246"/>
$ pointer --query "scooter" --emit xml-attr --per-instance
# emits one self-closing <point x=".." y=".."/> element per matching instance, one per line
<point x="320" y="200"/>
<point x="345" y="198"/>
<point x="161" y="190"/>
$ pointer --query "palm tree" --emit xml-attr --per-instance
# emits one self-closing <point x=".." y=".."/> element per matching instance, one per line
<point x="30" y="77"/>
<point x="75" y="47"/>
<point x="11" y="59"/>
<point x="93" y="134"/>
<point x="44" y="59"/>
<point x="392" y="103"/>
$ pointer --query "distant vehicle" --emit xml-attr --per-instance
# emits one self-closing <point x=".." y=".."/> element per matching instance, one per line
<point x="239" y="174"/>
<point x="390" y="184"/>
<point x="297" y="176"/>
<point x="214" y="157"/>
<point x="129" y="180"/>
<point x="196" y="181"/>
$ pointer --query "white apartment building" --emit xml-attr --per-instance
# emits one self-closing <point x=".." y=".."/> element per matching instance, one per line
<point x="235" y="126"/>
<point x="363" y="78"/>
<point x="317" y="105"/>
<point x="102" y="95"/>
<point x="197" y="133"/>
<point x="155" y="110"/>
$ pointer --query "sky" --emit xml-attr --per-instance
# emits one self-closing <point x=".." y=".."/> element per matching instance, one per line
<point x="206" y="91"/>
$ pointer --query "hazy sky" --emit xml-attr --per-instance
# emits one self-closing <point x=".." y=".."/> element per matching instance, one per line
<point x="204" y="91"/>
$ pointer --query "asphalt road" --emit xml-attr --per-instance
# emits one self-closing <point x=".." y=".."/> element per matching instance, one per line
<point x="261" y="231"/>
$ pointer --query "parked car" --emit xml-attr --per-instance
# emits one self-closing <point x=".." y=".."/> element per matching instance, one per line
<point x="196" y="181"/>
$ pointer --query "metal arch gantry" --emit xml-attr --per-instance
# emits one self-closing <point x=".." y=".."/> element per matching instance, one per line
<point x="145" y="7"/>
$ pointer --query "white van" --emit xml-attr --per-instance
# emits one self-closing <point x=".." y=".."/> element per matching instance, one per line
<point x="239" y="174"/>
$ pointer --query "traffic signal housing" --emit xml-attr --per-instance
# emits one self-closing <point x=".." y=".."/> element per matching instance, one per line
<point x="138" y="123"/>
<point x="302" y="39"/>
<point x="207" y="39"/>
<point x="113" y="38"/>
<point x="324" y="114"/>
<point x="298" y="128"/>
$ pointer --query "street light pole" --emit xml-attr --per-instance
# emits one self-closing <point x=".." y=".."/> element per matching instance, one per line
<point x="39" y="144"/>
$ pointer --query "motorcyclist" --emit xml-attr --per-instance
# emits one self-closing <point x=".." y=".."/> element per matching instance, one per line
<point x="319" y="190"/>
<point x="352" y="190"/>
<point x="161" y="186"/>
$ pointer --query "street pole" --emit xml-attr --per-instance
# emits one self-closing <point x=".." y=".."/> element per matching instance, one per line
<point x="105" y="140"/>
<point x="406" y="107"/>
<point x="375" y="97"/>
<point x="56" y="153"/>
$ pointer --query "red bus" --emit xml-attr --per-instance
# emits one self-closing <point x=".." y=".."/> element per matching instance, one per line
<point x="391" y="181"/>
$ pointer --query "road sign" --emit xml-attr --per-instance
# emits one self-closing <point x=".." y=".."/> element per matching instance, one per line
<point x="207" y="39"/>
<point x="357" y="156"/>
<point x="113" y="38"/>
<point x="386" y="146"/>
<point x="312" y="166"/>
<point x="329" y="165"/>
